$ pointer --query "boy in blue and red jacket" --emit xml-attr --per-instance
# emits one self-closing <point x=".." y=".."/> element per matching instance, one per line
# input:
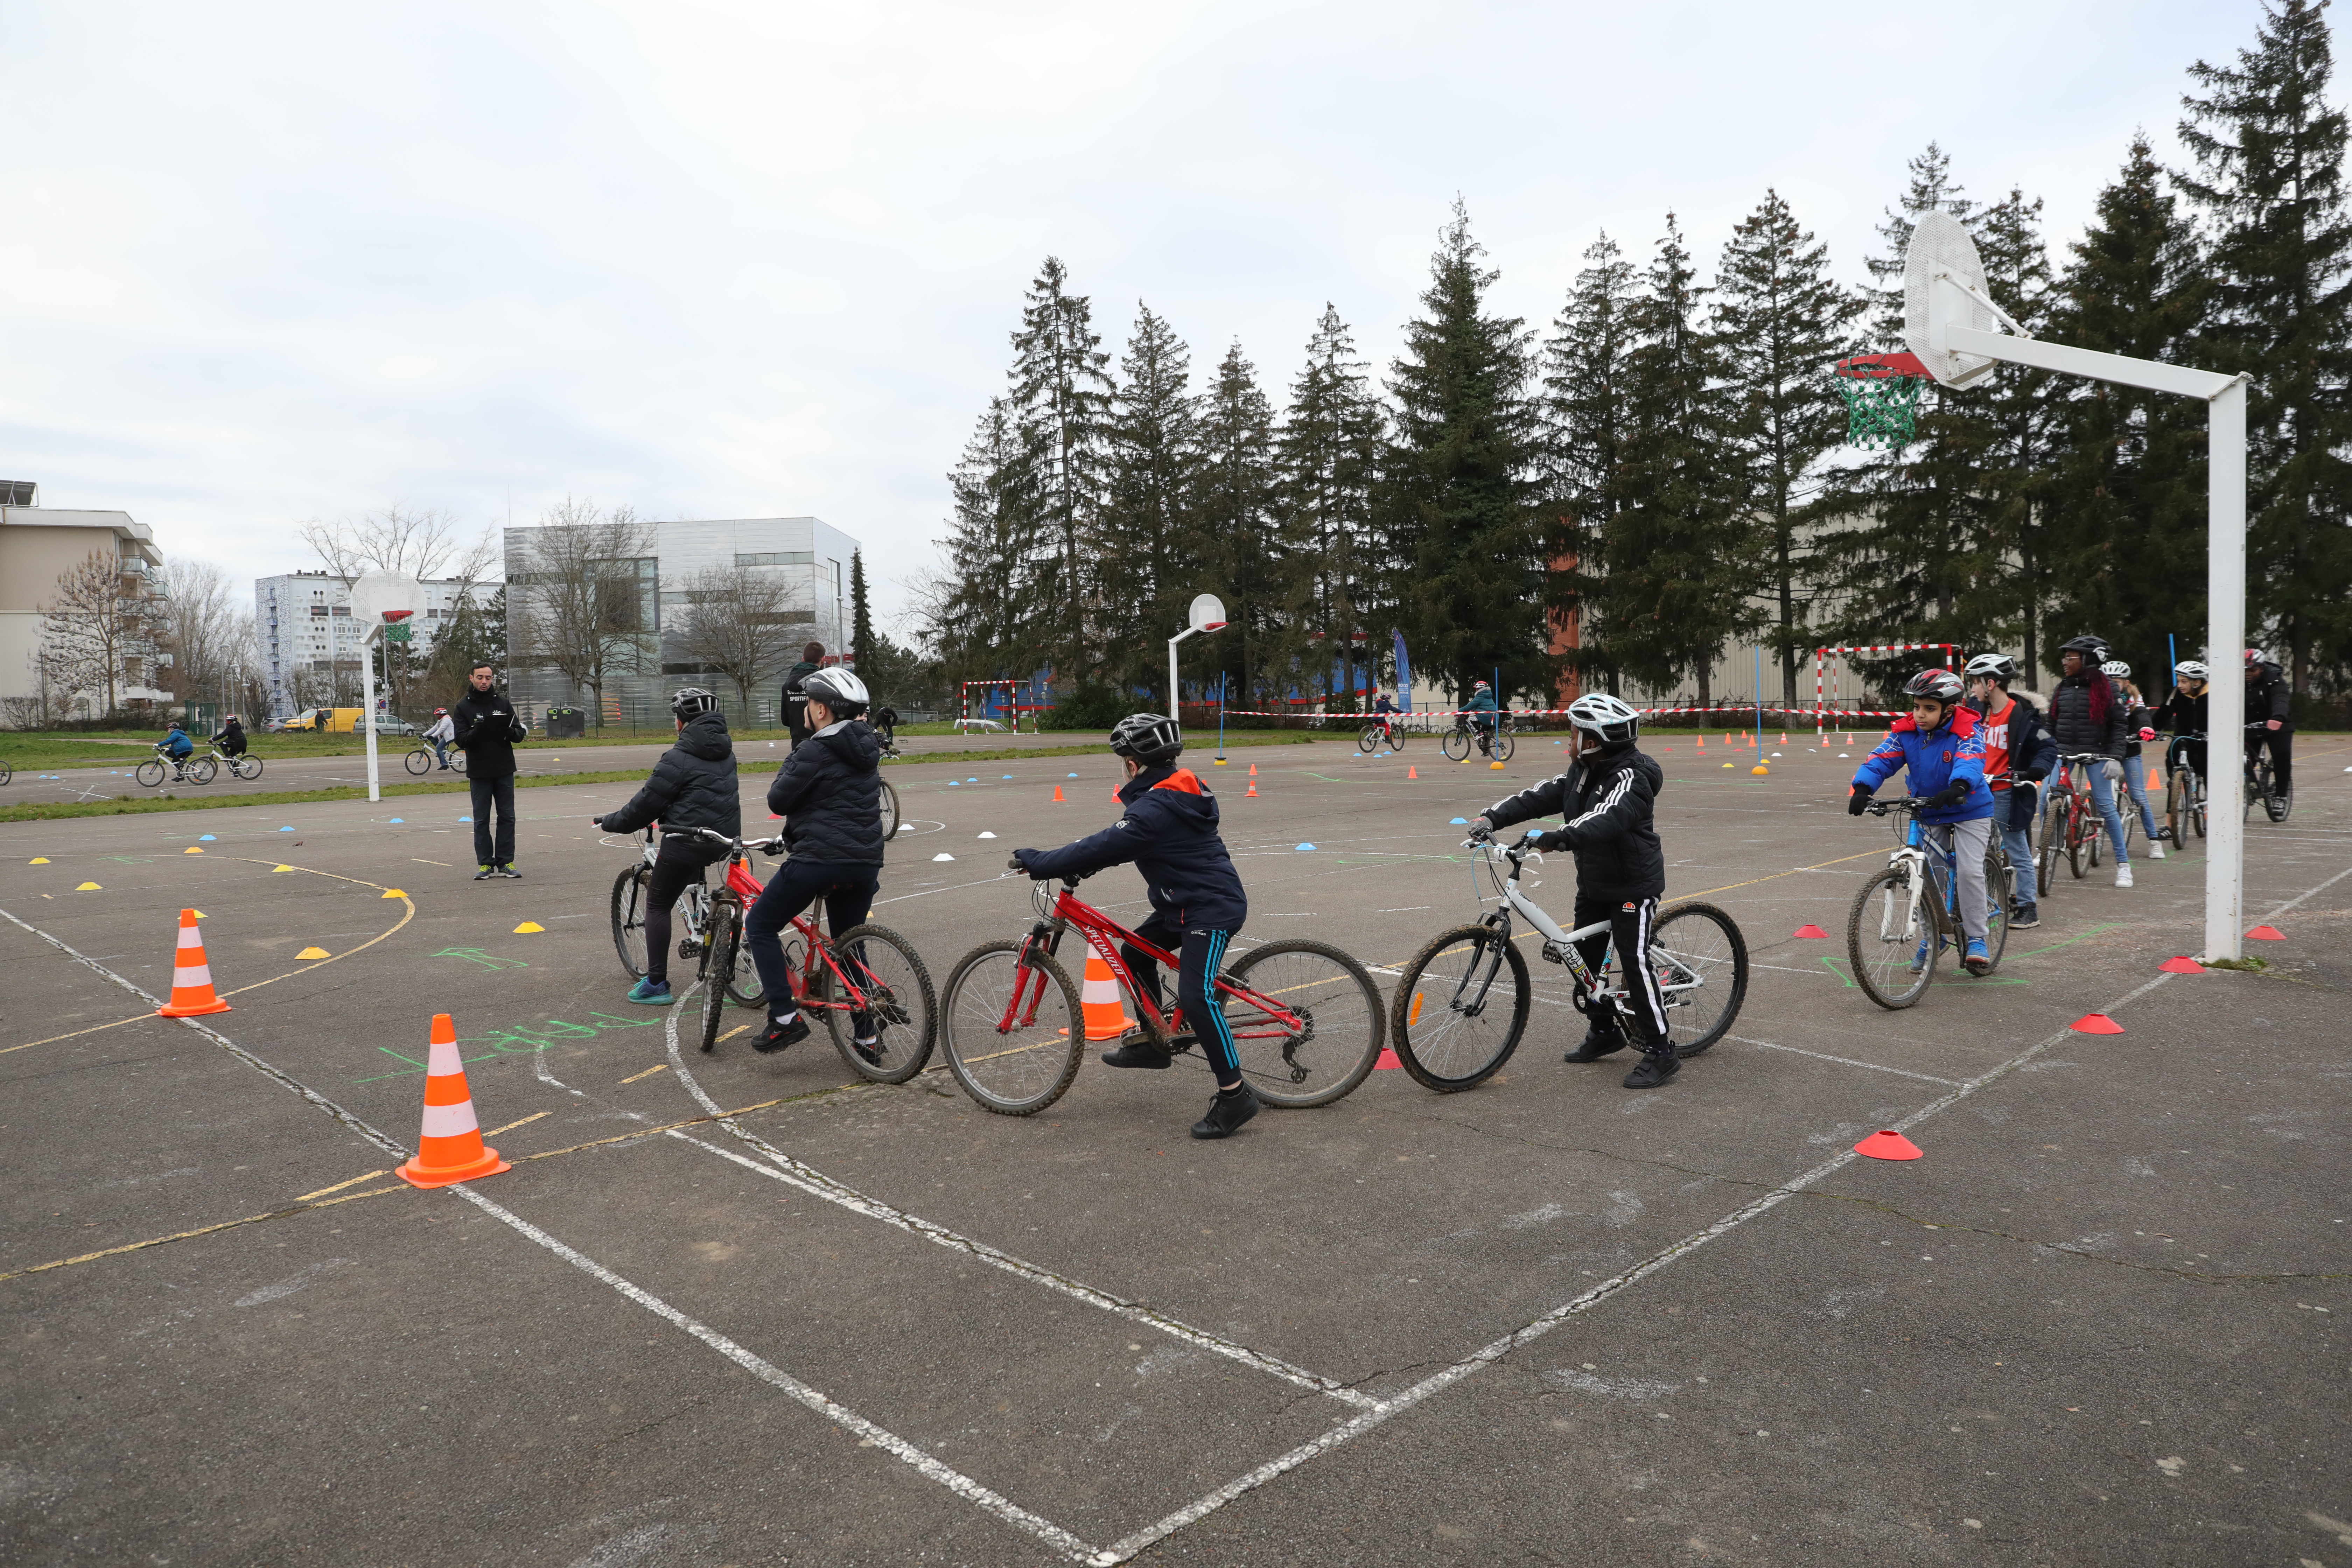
<point x="1941" y="747"/>
<point x="1169" y="831"/>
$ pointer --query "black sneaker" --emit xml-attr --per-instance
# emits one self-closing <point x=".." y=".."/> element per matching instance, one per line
<point x="486" y="873"/>
<point x="1226" y="1114"/>
<point x="779" y="1035"/>
<point x="1653" y="1069"/>
<point x="1137" y="1052"/>
<point x="506" y="871"/>
<point x="2025" y="917"/>
<point x="869" y="1051"/>
<point x="1597" y="1043"/>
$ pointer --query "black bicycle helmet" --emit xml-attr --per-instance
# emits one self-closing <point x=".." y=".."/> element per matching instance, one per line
<point x="1940" y="684"/>
<point x="688" y="701"/>
<point x="1148" y="738"/>
<point x="2093" y="649"/>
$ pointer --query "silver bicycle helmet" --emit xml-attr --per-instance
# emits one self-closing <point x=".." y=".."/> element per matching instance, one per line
<point x="2115" y="670"/>
<point x="1998" y="666"/>
<point x="839" y="690"/>
<point x="1148" y="738"/>
<point x="2191" y="670"/>
<point x="1607" y="718"/>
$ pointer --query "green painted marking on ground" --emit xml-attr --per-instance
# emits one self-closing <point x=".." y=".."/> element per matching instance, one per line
<point x="486" y="959"/>
<point x="519" y="1039"/>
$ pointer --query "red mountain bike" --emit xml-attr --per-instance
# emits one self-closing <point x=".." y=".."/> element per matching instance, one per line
<point x="1306" y="1021"/>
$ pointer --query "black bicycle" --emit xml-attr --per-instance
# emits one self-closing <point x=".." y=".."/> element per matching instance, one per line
<point x="1491" y="731"/>
<point x="2262" y="781"/>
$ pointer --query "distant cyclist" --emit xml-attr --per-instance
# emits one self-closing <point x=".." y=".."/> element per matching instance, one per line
<point x="2140" y="726"/>
<point x="1483" y="714"/>
<point x="441" y="734"/>
<point x="2183" y="714"/>
<point x="2087" y="715"/>
<point x="2018" y="754"/>
<point x="693" y="785"/>
<point x="1384" y="714"/>
<point x="176" y="747"/>
<point x="1938" y="744"/>
<point x="2267" y="720"/>
<point x="230" y="738"/>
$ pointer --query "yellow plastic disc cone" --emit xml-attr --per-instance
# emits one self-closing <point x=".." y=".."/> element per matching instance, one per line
<point x="275" y="869"/>
<point x="193" y="849"/>
<point x="310" y="953"/>
<point x="393" y="893"/>
<point x="527" y="927"/>
<point x="39" y="860"/>
<point x="88" y="888"/>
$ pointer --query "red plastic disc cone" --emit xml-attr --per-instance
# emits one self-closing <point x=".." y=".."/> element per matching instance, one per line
<point x="2266" y="933"/>
<point x="1812" y="931"/>
<point x="1388" y="1059"/>
<point x="2183" y="966"/>
<point x="1888" y="1145"/>
<point x="2096" y="1024"/>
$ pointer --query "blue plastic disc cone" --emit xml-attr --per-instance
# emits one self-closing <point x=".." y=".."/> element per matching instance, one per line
<point x="1305" y="849"/>
<point x="1458" y="822"/>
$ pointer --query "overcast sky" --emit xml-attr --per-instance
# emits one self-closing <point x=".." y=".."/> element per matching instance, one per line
<point x="261" y="263"/>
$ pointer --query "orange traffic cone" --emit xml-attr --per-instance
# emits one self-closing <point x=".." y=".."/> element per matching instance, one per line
<point x="192" y="977"/>
<point x="1057" y="792"/>
<point x="1099" y="998"/>
<point x="1252" y="770"/>
<point x="2152" y="782"/>
<point x="449" y="1148"/>
<point x="1252" y="790"/>
<point x="1412" y="773"/>
<point x="1702" y="742"/>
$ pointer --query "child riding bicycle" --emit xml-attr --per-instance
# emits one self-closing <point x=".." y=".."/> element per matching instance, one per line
<point x="1606" y="800"/>
<point x="1939" y="745"/>
<point x="693" y="785"/>
<point x="1169" y="830"/>
<point x="2019" y="752"/>
<point x="1483" y="718"/>
<point x="176" y="747"/>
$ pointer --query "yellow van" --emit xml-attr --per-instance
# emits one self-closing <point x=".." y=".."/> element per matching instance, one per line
<point x="328" y="721"/>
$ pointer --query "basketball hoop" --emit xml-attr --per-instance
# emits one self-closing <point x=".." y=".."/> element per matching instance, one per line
<point x="1881" y="397"/>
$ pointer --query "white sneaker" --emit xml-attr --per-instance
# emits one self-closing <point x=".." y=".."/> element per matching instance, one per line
<point x="2123" y="876"/>
<point x="2155" y="850"/>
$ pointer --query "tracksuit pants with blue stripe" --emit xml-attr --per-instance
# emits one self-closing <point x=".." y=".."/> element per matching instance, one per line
<point x="1203" y="951"/>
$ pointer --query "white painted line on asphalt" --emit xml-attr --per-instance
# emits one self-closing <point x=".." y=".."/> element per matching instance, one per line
<point x="954" y="1481"/>
<point x="815" y="1182"/>
<point x="1847" y="1061"/>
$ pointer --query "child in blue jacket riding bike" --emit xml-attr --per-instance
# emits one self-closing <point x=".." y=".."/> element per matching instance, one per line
<point x="1938" y="744"/>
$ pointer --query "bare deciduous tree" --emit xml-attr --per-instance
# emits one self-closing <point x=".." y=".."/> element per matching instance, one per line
<point x="207" y="632"/>
<point x="406" y="541"/>
<point x="742" y="622"/>
<point x="585" y="602"/>
<point x="99" y="630"/>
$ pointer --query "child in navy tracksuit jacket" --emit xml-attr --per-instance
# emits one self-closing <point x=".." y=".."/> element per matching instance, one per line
<point x="1169" y="831"/>
<point x="1939" y="745"/>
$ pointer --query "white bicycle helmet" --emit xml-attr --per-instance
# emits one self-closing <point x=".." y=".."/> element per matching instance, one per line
<point x="2192" y="669"/>
<point x="1998" y="666"/>
<point x="838" y="689"/>
<point x="2115" y="670"/>
<point x="1604" y="717"/>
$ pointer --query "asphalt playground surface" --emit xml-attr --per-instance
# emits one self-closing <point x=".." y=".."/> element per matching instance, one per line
<point x="1548" y="1321"/>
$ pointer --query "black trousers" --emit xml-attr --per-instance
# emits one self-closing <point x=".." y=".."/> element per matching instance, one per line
<point x="680" y="864"/>
<point x="847" y="889"/>
<point x="1200" y="954"/>
<point x="2282" y="744"/>
<point x="488" y="793"/>
<point x="1629" y="932"/>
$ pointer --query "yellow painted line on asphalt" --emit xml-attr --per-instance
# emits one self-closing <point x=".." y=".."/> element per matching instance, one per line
<point x="201" y="1230"/>
<point x="512" y="1125"/>
<point x="651" y="1070"/>
<point x="339" y="1186"/>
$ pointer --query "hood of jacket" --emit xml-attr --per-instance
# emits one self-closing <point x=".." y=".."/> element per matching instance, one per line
<point x="706" y="736"/>
<point x="1962" y="721"/>
<point x="852" y="740"/>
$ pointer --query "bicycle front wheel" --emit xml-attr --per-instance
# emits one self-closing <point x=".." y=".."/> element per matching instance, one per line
<point x="1701" y="961"/>
<point x="1891" y="940"/>
<point x="1011" y="1029"/>
<point x="2083" y="830"/>
<point x="719" y="968"/>
<point x="1505" y="744"/>
<point x="1311" y="1026"/>
<point x="2050" y="829"/>
<point x="419" y="761"/>
<point x="2000" y="892"/>
<point x="888" y="991"/>
<point x="149" y="772"/>
<point x="203" y="770"/>
<point x="889" y="816"/>
<point x="629" y="919"/>
<point x="1460" y="1008"/>
<point x="1456" y="745"/>
<point x="2180" y="805"/>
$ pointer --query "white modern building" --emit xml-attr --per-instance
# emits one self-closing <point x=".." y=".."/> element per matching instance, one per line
<point x="40" y="545"/>
<point x="811" y="555"/>
<point x="311" y="646"/>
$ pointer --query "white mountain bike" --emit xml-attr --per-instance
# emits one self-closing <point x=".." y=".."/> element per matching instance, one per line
<point x="1456" y="1021"/>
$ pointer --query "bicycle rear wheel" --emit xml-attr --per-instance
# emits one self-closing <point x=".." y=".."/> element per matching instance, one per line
<point x="719" y="968"/>
<point x="1701" y="961"/>
<point x="247" y="767"/>
<point x="889" y="984"/>
<point x="1331" y="1035"/>
<point x="889" y="812"/>
<point x="2050" y="829"/>
<point x="1455" y="744"/>
<point x="2000" y="892"/>
<point x="1504" y="745"/>
<point x="203" y="771"/>
<point x="1884" y="931"/>
<point x="419" y="761"/>
<point x="1011" y="1029"/>
<point x="2083" y="830"/>
<point x="629" y="919"/>
<point x="1460" y="1008"/>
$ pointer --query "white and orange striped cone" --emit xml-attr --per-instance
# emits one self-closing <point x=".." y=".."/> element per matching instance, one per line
<point x="1252" y="790"/>
<point x="192" y="977"/>
<point x="451" y="1147"/>
<point x="1106" y="1015"/>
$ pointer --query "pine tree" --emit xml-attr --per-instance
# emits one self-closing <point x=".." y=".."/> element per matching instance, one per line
<point x="1149" y="524"/>
<point x="1060" y="399"/>
<point x="1681" y="551"/>
<point x="1234" y="554"/>
<point x="1458" y="500"/>
<point x="2269" y="150"/>
<point x="2130" y="485"/>
<point x="1783" y="319"/>
<point x="993" y="619"/>
<point x="1328" y="458"/>
<point x="1586" y="426"/>
<point x="861" y="614"/>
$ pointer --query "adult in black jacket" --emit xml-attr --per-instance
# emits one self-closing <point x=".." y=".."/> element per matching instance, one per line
<point x="795" y="693"/>
<point x="1605" y="801"/>
<point x="829" y="793"/>
<point x="1169" y="830"/>
<point x="693" y="785"/>
<point x="2089" y="715"/>
<point x="2267" y="707"/>
<point x="486" y="726"/>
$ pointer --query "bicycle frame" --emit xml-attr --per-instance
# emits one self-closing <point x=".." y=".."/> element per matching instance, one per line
<point x="1912" y="859"/>
<point x="743" y="888"/>
<point x="1559" y="945"/>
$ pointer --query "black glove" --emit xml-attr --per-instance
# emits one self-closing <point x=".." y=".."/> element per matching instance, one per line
<point x="1858" y="802"/>
<point x="1559" y="839"/>
<point x="1020" y="862"/>
<point x="2035" y="775"/>
<point x="1481" y="828"/>
<point x="1950" y="795"/>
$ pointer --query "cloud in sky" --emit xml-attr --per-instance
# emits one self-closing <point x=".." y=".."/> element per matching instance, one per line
<point x="264" y="262"/>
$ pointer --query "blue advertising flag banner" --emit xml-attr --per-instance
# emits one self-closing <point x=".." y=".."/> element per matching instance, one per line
<point x="1404" y="673"/>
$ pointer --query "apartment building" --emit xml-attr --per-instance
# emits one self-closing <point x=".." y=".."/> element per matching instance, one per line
<point x="311" y="646"/>
<point x="39" y="545"/>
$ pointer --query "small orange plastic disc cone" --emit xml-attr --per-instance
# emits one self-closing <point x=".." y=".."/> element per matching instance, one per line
<point x="2182" y="966"/>
<point x="2096" y="1024"/>
<point x="2266" y="933"/>
<point x="1888" y="1145"/>
<point x="1812" y="932"/>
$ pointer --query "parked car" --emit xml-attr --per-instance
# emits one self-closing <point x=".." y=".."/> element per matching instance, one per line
<point x="388" y="726"/>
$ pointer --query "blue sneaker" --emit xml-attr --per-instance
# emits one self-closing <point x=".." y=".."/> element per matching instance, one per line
<point x="1919" y="959"/>
<point x="1977" y="960"/>
<point x="653" y="993"/>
